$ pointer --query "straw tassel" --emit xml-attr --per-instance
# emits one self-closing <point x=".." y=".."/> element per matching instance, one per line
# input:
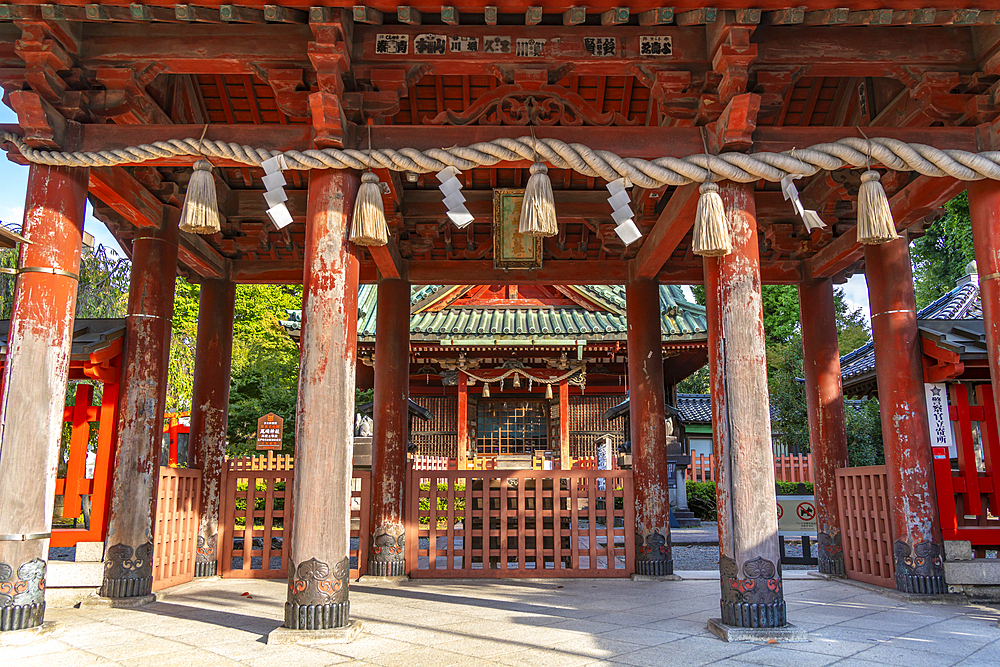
<point x="548" y="391"/>
<point x="711" y="233"/>
<point x="369" y="227"/>
<point x="200" y="214"/>
<point x="538" y="210"/>
<point x="875" y="223"/>
<point x="486" y="390"/>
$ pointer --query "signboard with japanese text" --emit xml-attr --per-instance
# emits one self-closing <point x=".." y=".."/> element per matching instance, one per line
<point x="938" y="418"/>
<point x="796" y="515"/>
<point x="270" y="428"/>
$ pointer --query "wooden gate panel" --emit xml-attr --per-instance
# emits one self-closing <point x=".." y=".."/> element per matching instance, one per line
<point x="175" y="533"/>
<point x="866" y="525"/>
<point x="520" y="523"/>
<point x="256" y="511"/>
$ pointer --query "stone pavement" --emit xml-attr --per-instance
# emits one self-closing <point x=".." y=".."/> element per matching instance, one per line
<point x="219" y="623"/>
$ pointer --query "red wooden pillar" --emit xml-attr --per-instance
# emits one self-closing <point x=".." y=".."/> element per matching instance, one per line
<point x="916" y="527"/>
<point x="463" y="421"/>
<point x="984" y="209"/>
<point x="34" y="386"/>
<point x="565" y="462"/>
<point x="392" y="390"/>
<point x="210" y="410"/>
<point x="825" y="402"/>
<point x="128" y="559"/>
<point x="647" y="413"/>
<point x="749" y="558"/>
<point x="319" y="557"/>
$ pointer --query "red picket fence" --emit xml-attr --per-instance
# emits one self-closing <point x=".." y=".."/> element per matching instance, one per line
<point x="866" y="525"/>
<point x="422" y="462"/>
<point x="968" y="496"/>
<point x="175" y="533"/>
<point x="520" y="523"/>
<point x="791" y="468"/>
<point x="255" y="518"/>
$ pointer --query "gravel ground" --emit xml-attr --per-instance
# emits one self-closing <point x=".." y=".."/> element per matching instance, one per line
<point x="706" y="557"/>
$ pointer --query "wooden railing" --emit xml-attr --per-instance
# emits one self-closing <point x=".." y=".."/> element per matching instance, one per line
<point x="520" y="523"/>
<point x="969" y="495"/>
<point x="792" y="468"/>
<point x="175" y="532"/>
<point x="422" y="462"/>
<point x="75" y="484"/>
<point x="866" y="525"/>
<point x="256" y="518"/>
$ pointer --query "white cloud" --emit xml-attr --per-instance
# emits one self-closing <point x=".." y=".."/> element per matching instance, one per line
<point x="856" y="294"/>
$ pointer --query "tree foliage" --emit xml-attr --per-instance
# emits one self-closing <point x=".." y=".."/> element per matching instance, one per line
<point x="940" y="256"/>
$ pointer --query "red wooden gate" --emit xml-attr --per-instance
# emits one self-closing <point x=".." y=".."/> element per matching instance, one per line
<point x="256" y="518"/>
<point x="866" y="525"/>
<point x="178" y="509"/>
<point x="968" y="495"/>
<point x="520" y="523"/>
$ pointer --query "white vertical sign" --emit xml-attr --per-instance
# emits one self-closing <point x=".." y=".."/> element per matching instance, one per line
<point x="942" y="432"/>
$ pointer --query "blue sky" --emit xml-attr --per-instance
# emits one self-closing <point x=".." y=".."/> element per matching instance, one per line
<point x="14" y="178"/>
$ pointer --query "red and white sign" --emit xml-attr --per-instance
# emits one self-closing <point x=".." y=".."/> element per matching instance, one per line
<point x="796" y="515"/>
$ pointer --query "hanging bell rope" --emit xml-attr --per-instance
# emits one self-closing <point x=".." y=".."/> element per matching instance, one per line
<point x="368" y="227"/>
<point x="875" y="223"/>
<point x="538" y="208"/>
<point x="200" y="214"/>
<point x="711" y="237"/>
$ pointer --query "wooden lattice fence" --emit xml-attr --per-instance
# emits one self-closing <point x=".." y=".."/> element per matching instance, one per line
<point x="178" y="507"/>
<point x="866" y="524"/>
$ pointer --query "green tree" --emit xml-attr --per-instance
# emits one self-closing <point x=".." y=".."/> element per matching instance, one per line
<point x="940" y="256"/>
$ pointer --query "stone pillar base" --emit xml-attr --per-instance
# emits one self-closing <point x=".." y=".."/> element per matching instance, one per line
<point x="317" y="616"/>
<point x="732" y="633"/>
<point x="654" y="568"/>
<point x="344" y="635"/>
<point x="750" y="615"/>
<point x="21" y="616"/>
<point x="117" y="603"/>
<point x="832" y="566"/>
<point x="127" y="588"/>
<point x="386" y="569"/>
<point x="205" y="569"/>
<point x="921" y="584"/>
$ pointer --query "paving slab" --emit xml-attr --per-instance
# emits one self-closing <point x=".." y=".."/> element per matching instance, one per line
<point x="566" y="622"/>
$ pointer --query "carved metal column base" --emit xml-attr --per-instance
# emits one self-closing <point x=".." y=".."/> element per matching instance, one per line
<point x="654" y="568"/>
<point x="21" y="616"/>
<point x="920" y="569"/>
<point x="128" y="573"/>
<point x="831" y="555"/>
<point x="206" y="569"/>
<point x="22" y="595"/>
<point x="755" y="599"/>
<point x="653" y="556"/>
<point x="205" y="564"/>
<point x="317" y="595"/>
<point x="317" y="616"/>
<point x="386" y="558"/>
<point x="396" y="568"/>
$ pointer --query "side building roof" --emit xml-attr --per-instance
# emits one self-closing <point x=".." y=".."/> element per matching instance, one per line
<point x="680" y="319"/>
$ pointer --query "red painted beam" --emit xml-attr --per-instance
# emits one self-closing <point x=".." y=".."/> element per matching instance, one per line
<point x="388" y="261"/>
<point x="118" y="189"/>
<point x="671" y="227"/>
<point x="909" y="206"/>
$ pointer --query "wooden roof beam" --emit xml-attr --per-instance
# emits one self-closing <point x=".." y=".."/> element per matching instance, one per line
<point x="387" y="260"/>
<point x="672" y="225"/>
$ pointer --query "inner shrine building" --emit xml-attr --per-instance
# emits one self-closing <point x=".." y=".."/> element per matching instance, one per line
<point x="538" y="148"/>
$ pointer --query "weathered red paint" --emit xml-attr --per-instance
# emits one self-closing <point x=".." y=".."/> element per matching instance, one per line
<point x="390" y="410"/>
<point x="37" y="363"/>
<point x="984" y="209"/>
<point x="324" y="419"/>
<point x="825" y="402"/>
<point x="748" y="525"/>
<point x="463" y="421"/>
<point x="210" y="409"/>
<point x="646" y="416"/>
<point x="144" y="386"/>
<point x="564" y="458"/>
<point x="905" y="433"/>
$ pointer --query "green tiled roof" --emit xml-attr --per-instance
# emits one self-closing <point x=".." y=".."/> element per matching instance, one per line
<point x="680" y="319"/>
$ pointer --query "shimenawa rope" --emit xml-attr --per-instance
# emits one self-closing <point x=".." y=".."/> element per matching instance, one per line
<point x="740" y="167"/>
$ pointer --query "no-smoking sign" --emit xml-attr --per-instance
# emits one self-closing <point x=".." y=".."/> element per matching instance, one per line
<point x="805" y="511"/>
